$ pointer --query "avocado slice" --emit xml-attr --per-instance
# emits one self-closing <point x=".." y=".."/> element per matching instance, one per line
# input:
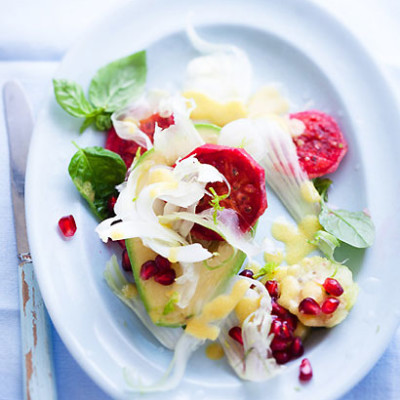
<point x="159" y="300"/>
<point x="208" y="132"/>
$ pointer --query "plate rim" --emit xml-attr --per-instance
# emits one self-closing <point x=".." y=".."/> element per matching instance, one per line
<point x="72" y="347"/>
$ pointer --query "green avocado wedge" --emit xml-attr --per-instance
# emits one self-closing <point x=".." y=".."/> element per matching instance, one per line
<point x="208" y="132"/>
<point x="160" y="301"/>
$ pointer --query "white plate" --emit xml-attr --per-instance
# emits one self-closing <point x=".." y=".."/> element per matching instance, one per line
<point x="315" y="58"/>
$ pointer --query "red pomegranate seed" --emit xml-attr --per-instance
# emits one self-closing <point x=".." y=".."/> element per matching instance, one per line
<point x="279" y="344"/>
<point x="278" y="310"/>
<point x="122" y="244"/>
<point x="272" y="287"/>
<point x="276" y="326"/>
<point x="297" y="349"/>
<point x="247" y="273"/>
<point x="162" y="263"/>
<point x="333" y="287"/>
<point x="330" y="305"/>
<point x="305" y="370"/>
<point x="67" y="226"/>
<point x="166" y="278"/>
<point x="291" y="321"/>
<point x="148" y="270"/>
<point x="286" y="332"/>
<point x="309" y="306"/>
<point x="236" y="334"/>
<point x="281" y="357"/>
<point x="126" y="262"/>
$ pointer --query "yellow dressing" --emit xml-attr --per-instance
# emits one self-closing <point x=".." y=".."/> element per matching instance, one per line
<point x="214" y="111"/>
<point x="162" y="187"/>
<point x="214" y="351"/>
<point x="276" y="258"/>
<point x="309" y="193"/>
<point x="216" y="309"/>
<point x="161" y="175"/>
<point x="133" y="124"/>
<point x="173" y="254"/>
<point x="268" y="100"/>
<point x="297" y="239"/>
<point x="246" y="306"/>
<point x="129" y="291"/>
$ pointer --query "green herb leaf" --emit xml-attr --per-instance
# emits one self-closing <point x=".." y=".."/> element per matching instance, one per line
<point x="267" y="269"/>
<point x="103" y="122"/>
<point x="353" y="228"/>
<point x="86" y="123"/>
<point x="117" y="83"/>
<point x="327" y="243"/>
<point x="214" y="203"/>
<point x="170" y="306"/>
<point x="95" y="172"/>
<point x="322" y="185"/>
<point x="71" y="98"/>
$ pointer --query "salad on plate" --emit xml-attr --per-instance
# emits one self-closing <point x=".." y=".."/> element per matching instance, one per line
<point x="181" y="183"/>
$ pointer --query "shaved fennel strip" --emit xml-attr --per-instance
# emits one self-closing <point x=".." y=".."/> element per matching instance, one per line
<point x="285" y="175"/>
<point x="253" y="361"/>
<point x="172" y="377"/>
<point x="241" y="241"/>
<point x="168" y="337"/>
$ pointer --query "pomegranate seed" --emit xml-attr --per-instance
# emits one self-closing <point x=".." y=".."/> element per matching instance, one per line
<point x="330" y="305"/>
<point x="247" y="273"/>
<point x="111" y="204"/>
<point x="291" y="321"/>
<point x="162" y="263"/>
<point x="333" y="287"/>
<point x="297" y="349"/>
<point x="276" y="326"/>
<point x="278" y="310"/>
<point x="67" y="225"/>
<point x="122" y="244"/>
<point x="236" y="334"/>
<point x="286" y="332"/>
<point x="148" y="270"/>
<point x="166" y="278"/>
<point x="281" y="357"/>
<point x="279" y="344"/>
<point x="272" y="287"/>
<point x="309" y="306"/>
<point x="305" y="370"/>
<point x="126" y="262"/>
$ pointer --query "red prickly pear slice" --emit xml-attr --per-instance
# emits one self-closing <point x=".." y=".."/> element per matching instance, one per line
<point x="322" y="146"/>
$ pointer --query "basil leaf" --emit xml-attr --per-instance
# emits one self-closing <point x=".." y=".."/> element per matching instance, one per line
<point x="117" y="83"/>
<point x="322" y="186"/>
<point x="95" y="172"/>
<point x="86" y="123"/>
<point x="103" y="122"/>
<point x="70" y="97"/>
<point x="327" y="243"/>
<point x="353" y="228"/>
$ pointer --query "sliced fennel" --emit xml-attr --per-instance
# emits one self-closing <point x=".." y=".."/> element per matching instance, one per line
<point x="186" y="345"/>
<point x="226" y="227"/>
<point x="253" y="361"/>
<point x="269" y="141"/>
<point x="152" y="190"/>
<point x="126" y="121"/>
<point x="223" y="73"/>
<point x="168" y="337"/>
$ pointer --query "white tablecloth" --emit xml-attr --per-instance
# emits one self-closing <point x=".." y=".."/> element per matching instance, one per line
<point x="33" y="38"/>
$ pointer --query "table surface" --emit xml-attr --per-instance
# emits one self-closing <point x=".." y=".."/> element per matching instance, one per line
<point x="30" y="54"/>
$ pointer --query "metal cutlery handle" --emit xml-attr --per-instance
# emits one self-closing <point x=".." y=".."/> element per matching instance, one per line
<point x="36" y="338"/>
